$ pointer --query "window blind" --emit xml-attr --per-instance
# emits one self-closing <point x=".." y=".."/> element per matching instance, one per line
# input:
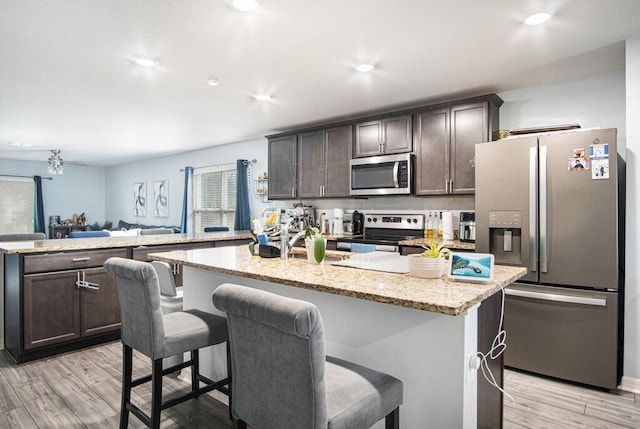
<point x="16" y="205"/>
<point x="214" y="199"/>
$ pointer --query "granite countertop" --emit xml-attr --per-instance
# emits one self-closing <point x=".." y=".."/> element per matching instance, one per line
<point x="449" y="244"/>
<point x="437" y="295"/>
<point x="59" y="245"/>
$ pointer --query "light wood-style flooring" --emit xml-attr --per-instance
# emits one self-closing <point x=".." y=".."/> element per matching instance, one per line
<point x="82" y="390"/>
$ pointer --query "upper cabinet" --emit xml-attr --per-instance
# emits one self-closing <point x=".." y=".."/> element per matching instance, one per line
<point x="445" y="138"/>
<point x="383" y="136"/>
<point x="323" y="162"/>
<point x="282" y="167"/>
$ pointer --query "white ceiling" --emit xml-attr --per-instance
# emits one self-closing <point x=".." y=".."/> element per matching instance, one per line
<point x="68" y="80"/>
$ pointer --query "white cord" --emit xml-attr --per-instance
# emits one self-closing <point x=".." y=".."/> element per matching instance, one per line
<point x="497" y="348"/>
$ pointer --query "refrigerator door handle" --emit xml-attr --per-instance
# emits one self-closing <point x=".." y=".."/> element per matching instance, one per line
<point x="596" y="302"/>
<point x="543" y="210"/>
<point x="533" y="209"/>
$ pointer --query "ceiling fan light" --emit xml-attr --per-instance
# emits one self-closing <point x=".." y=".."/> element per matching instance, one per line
<point x="146" y="62"/>
<point x="56" y="164"/>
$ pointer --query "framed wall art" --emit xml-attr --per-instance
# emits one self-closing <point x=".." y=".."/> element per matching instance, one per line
<point x="140" y="199"/>
<point x="161" y="198"/>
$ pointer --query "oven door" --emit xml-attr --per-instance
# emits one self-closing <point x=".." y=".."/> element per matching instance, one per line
<point x="381" y="175"/>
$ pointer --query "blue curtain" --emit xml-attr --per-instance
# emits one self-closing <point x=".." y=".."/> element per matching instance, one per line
<point x="38" y="212"/>
<point x="187" y="206"/>
<point x="243" y="213"/>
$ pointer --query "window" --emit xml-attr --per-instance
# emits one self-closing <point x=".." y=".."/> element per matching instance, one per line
<point x="214" y="200"/>
<point x="16" y="205"/>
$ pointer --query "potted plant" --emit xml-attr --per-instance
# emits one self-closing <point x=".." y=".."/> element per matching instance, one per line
<point x="315" y="244"/>
<point x="430" y="263"/>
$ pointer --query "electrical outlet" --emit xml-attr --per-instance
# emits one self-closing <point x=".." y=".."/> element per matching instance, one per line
<point x="473" y="363"/>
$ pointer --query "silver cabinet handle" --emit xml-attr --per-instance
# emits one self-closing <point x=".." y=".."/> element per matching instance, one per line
<point x="293" y="191"/>
<point x="570" y="299"/>
<point x="533" y="208"/>
<point x="87" y="258"/>
<point x="544" y="245"/>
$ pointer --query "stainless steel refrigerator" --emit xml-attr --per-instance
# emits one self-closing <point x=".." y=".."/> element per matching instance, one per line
<point x="553" y="203"/>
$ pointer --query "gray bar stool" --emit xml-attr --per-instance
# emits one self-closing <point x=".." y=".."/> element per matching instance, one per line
<point x="157" y="336"/>
<point x="170" y="302"/>
<point x="281" y="375"/>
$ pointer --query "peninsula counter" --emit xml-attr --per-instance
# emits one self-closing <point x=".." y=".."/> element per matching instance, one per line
<point x="421" y="331"/>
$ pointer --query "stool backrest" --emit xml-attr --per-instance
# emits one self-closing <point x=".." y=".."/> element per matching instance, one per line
<point x="139" y="297"/>
<point x="216" y="228"/>
<point x="27" y="236"/>
<point x="278" y="358"/>
<point x="165" y="278"/>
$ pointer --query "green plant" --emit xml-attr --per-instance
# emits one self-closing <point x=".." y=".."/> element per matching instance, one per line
<point x="434" y="250"/>
<point x="319" y="248"/>
<point x="311" y="231"/>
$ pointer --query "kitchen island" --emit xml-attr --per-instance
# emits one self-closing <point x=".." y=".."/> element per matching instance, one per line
<point x="421" y="331"/>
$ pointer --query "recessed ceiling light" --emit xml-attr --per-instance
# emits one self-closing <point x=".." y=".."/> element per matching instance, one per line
<point x="538" y="18"/>
<point x="212" y="82"/>
<point x="245" y="5"/>
<point x="145" y="62"/>
<point x="365" y="68"/>
<point x="262" y="97"/>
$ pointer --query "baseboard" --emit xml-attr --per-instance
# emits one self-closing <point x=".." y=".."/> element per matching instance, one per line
<point x="630" y="384"/>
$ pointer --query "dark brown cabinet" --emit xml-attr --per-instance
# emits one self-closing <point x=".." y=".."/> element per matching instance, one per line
<point x="383" y="136"/>
<point x="282" y="167"/>
<point x="58" y="309"/>
<point x="323" y="162"/>
<point x="141" y="253"/>
<point x="445" y="138"/>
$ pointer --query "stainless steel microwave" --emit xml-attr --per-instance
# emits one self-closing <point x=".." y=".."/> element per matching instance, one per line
<point x="382" y="175"/>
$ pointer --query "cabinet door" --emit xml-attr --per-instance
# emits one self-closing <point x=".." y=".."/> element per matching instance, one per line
<point x="469" y="125"/>
<point x="50" y="309"/>
<point x="368" y="139"/>
<point x="310" y="164"/>
<point x="338" y="143"/>
<point x="282" y="168"/>
<point x="99" y="308"/>
<point x="397" y="134"/>
<point x="432" y="151"/>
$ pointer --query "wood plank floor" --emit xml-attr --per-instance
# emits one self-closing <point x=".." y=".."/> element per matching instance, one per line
<point x="82" y="390"/>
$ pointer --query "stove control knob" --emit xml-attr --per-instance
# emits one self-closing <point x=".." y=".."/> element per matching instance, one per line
<point x="415" y="220"/>
<point x="368" y="219"/>
<point x="375" y="219"/>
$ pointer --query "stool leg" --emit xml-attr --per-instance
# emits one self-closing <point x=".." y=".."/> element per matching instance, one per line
<point x="229" y="376"/>
<point x="239" y="424"/>
<point x="195" y="370"/>
<point x="156" y="393"/>
<point x="127" y="366"/>
<point x="392" y="421"/>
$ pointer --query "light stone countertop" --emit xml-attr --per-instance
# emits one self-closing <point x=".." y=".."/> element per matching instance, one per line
<point x="449" y="244"/>
<point x="436" y="295"/>
<point x="64" y="244"/>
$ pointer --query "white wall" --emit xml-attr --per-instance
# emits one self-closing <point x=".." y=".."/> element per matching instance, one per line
<point x="78" y="190"/>
<point x="632" y="298"/>
<point x="120" y="179"/>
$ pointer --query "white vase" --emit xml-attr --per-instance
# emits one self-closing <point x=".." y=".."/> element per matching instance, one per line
<point x="310" y="244"/>
<point x="428" y="268"/>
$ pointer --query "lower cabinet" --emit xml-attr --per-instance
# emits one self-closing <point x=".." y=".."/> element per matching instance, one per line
<point x="57" y="308"/>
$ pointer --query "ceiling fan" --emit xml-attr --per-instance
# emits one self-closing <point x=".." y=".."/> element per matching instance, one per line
<point x="55" y="163"/>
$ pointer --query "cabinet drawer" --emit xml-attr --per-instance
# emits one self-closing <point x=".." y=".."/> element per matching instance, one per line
<point x="69" y="260"/>
<point x="142" y="253"/>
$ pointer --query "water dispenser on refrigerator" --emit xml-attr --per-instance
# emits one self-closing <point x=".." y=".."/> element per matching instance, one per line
<point x="505" y="236"/>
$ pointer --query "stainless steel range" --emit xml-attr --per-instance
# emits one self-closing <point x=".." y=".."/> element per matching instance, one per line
<point x="385" y="230"/>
